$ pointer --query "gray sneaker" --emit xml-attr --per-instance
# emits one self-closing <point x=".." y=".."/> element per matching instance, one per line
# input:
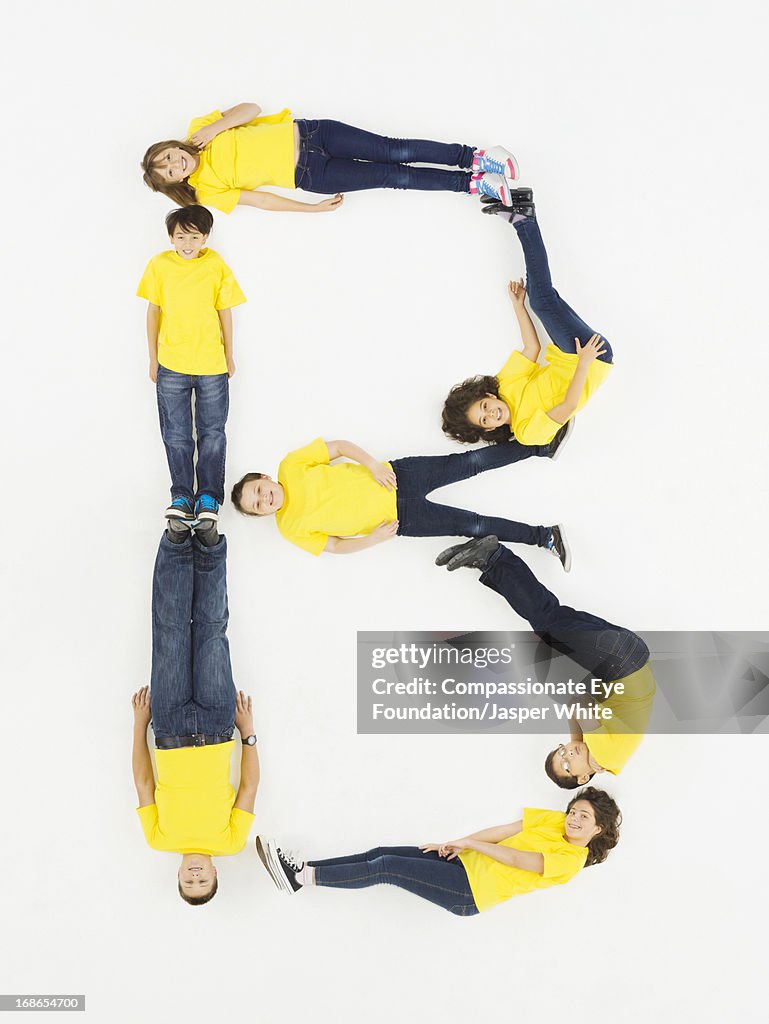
<point x="556" y="445"/>
<point x="559" y="547"/>
<point x="474" y="554"/>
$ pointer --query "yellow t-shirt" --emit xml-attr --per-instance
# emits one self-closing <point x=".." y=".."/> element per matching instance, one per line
<point x="530" y="390"/>
<point x="193" y="810"/>
<point x="323" y="501"/>
<point x="189" y="293"/>
<point x="543" y="832"/>
<point x="616" y="738"/>
<point x="255" y="154"/>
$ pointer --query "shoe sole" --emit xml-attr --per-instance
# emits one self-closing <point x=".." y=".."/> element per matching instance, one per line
<point x="483" y="545"/>
<point x="564" y="441"/>
<point x="176" y="513"/>
<point x="267" y="858"/>
<point x="212" y="516"/>
<point x="512" y="170"/>
<point x="566" y="563"/>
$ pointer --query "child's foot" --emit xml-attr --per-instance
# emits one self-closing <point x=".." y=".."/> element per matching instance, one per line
<point x="492" y="185"/>
<point x="206" y="507"/>
<point x="207" y="533"/>
<point x="283" y="867"/>
<point x="181" y="508"/>
<point x="474" y="554"/>
<point x="178" y="530"/>
<point x="520" y="207"/>
<point x="496" y="160"/>
<point x="556" y="445"/>
<point x="559" y="547"/>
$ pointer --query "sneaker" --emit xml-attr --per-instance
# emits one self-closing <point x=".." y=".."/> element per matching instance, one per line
<point x="518" y="196"/>
<point x="559" y="547"/>
<point x="556" y="445"/>
<point x="207" y="532"/>
<point x="206" y="507"/>
<point x="178" y="530"/>
<point x="282" y="865"/>
<point x="508" y="211"/>
<point x="181" y="508"/>
<point x="496" y="160"/>
<point x="474" y="554"/>
<point x="492" y="185"/>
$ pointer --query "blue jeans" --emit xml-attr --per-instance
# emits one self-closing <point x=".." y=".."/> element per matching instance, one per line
<point x="443" y="882"/>
<point x="418" y="476"/>
<point x="607" y="651"/>
<point x="192" y="688"/>
<point x="558" y="318"/>
<point x="212" y="403"/>
<point x="336" y="157"/>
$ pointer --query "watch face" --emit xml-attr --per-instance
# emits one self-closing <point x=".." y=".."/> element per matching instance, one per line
<point x="251" y="741"/>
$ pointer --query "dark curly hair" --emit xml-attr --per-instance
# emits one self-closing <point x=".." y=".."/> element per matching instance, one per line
<point x="198" y="901"/>
<point x="237" y="491"/>
<point x="564" y="781"/>
<point x="181" y="192"/>
<point x="460" y="398"/>
<point x="607" y="815"/>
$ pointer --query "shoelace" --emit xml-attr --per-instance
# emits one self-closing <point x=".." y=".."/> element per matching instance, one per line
<point x="487" y="189"/>
<point x="180" y="503"/>
<point x="290" y="858"/>
<point x="207" y="503"/>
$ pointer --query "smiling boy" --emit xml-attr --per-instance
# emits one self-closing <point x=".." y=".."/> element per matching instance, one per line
<point x="190" y="292"/>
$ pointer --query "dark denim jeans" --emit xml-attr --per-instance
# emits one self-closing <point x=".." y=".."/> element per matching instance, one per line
<point x="443" y="882"/>
<point x="335" y="157"/>
<point x="212" y="403"/>
<point x="418" y="476"/>
<point x="191" y="687"/>
<point x="607" y="651"/>
<point x="558" y="318"/>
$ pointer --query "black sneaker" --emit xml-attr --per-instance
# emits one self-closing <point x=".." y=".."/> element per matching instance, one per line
<point x="474" y="554"/>
<point x="559" y="547"/>
<point x="522" y="206"/>
<point x="282" y="865"/>
<point x="556" y="445"/>
<point x="206" y="532"/>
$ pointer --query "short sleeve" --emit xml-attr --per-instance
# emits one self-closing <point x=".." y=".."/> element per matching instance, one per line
<point x="201" y="122"/>
<point x="517" y="367"/>
<point x="240" y="826"/>
<point x="229" y="293"/>
<point x="539" y="428"/>
<point x="149" y="286"/>
<point x="226" y="200"/>
<point x="563" y="864"/>
<point x="148" y="817"/>
<point x="536" y="817"/>
<point x="313" y="542"/>
<point x="313" y="454"/>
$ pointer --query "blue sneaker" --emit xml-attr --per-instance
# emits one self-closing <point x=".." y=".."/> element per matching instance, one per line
<point x="206" y="507"/>
<point x="496" y="160"/>
<point x="181" y="508"/>
<point x="493" y="185"/>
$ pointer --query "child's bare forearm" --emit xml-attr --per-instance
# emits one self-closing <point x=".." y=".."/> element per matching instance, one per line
<point x="561" y="412"/>
<point x="225" y="321"/>
<point x="496" y="833"/>
<point x="529" y="336"/>
<point x="348" y="450"/>
<point x="349" y="545"/>
<point x="153" y="329"/>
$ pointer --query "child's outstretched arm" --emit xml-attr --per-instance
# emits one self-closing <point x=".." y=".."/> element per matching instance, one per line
<point x="153" y="328"/>
<point x="349" y="545"/>
<point x="586" y="353"/>
<point x="141" y="761"/>
<point x="225" y="322"/>
<point x="347" y="450"/>
<point x="495" y="834"/>
<point x="279" y="204"/>
<point x="529" y="336"/>
<point x="233" y="117"/>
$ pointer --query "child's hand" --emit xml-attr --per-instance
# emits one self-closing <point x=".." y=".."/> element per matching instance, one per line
<point x="204" y="135"/>
<point x="140" y="702"/>
<point x="244" y="718"/>
<point x="385" y="531"/>
<point x="154" y="372"/>
<point x="329" y="204"/>
<point x="383" y="475"/>
<point x="591" y="350"/>
<point x="517" y="293"/>
<point x="230" y="367"/>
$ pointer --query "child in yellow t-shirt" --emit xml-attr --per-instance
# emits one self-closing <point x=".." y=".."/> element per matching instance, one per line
<point x="526" y="400"/>
<point x="190" y="291"/>
<point x="351" y="506"/>
<point x="229" y="155"/>
<point x="469" y="875"/>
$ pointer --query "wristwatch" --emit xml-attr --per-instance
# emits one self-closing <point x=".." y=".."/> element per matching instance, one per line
<point x="248" y="741"/>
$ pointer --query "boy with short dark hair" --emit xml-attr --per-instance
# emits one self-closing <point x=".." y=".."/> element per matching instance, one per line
<point x="190" y="291"/>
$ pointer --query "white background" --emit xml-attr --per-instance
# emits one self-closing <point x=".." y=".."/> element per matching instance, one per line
<point x="642" y="129"/>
